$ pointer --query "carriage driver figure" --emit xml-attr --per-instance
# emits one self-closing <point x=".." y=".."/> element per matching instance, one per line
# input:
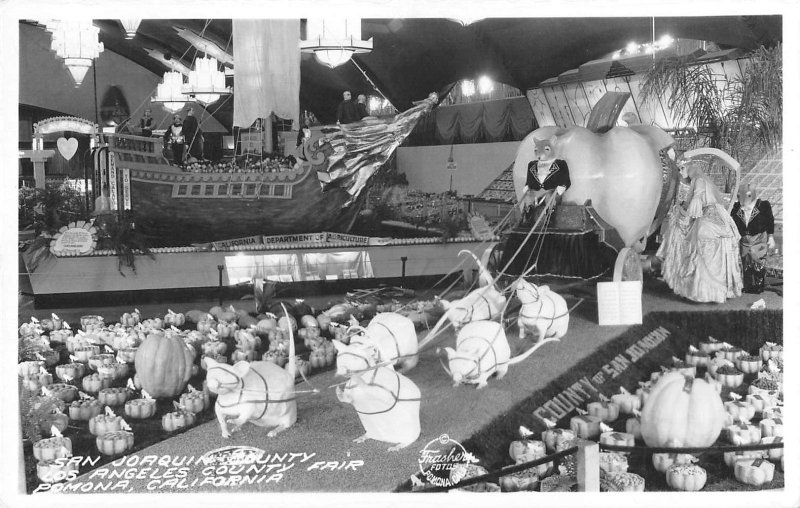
<point x="546" y="175"/>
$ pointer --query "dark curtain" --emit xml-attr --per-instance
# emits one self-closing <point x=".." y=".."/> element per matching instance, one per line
<point x="477" y="122"/>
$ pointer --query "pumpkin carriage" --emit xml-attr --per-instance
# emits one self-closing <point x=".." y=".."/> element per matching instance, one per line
<point x="624" y="184"/>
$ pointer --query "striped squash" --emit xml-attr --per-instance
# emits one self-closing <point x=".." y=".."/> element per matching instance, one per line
<point x="164" y="365"/>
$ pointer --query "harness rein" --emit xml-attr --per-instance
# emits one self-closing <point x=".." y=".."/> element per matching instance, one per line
<point x="477" y="362"/>
<point x="242" y="390"/>
<point x="552" y="319"/>
<point x="393" y="394"/>
<point x="471" y="309"/>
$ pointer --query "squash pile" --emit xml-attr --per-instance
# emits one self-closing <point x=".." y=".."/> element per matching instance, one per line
<point x="103" y="378"/>
<point x="717" y="395"/>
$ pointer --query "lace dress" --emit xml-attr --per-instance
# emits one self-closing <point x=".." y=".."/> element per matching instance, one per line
<point x="701" y="248"/>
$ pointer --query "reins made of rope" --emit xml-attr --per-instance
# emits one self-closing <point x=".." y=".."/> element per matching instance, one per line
<point x="395" y="396"/>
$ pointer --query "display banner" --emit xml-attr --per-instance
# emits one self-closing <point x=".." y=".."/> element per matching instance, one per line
<point x="341" y="237"/>
<point x="238" y="242"/>
<point x="112" y="181"/>
<point x="100" y="173"/>
<point x="299" y="238"/>
<point x="126" y="188"/>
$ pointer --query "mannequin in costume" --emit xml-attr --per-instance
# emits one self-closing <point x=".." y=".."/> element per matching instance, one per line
<point x="191" y="131"/>
<point x="175" y="139"/>
<point x="701" y="244"/>
<point x="755" y="222"/>
<point x="547" y="175"/>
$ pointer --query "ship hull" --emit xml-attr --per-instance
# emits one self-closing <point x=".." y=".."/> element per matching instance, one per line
<point x="170" y="219"/>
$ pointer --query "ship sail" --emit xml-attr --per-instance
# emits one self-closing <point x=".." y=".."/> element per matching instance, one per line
<point x="267" y="70"/>
<point x="361" y="148"/>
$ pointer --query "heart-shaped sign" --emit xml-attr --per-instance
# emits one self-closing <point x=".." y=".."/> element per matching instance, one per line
<point x="67" y="147"/>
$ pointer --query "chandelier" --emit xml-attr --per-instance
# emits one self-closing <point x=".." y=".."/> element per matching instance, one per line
<point x="334" y="41"/>
<point x="77" y="43"/>
<point x="206" y="82"/>
<point x="169" y="92"/>
<point x="130" y="26"/>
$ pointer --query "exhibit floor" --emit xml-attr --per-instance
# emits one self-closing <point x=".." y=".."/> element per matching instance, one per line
<point x="318" y="453"/>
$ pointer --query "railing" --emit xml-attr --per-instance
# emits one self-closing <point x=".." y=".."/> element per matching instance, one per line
<point x="587" y="462"/>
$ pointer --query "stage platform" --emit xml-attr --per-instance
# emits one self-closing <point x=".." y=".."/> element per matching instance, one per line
<point x="178" y="274"/>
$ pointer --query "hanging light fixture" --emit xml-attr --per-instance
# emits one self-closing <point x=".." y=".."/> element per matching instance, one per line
<point x="206" y="82"/>
<point x="130" y="26"/>
<point x="334" y="41"/>
<point x="169" y="92"/>
<point x="77" y="43"/>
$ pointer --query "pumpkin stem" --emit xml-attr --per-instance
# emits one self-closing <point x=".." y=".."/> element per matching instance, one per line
<point x="687" y="386"/>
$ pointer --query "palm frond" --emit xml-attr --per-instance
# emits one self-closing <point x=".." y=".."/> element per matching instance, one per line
<point x="742" y="116"/>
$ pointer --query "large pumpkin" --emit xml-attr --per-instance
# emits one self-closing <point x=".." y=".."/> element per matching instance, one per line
<point x="164" y="365"/>
<point x="682" y="411"/>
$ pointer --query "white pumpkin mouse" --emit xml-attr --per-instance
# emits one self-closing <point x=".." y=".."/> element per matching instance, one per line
<point x="486" y="302"/>
<point x="542" y="309"/>
<point x="389" y="338"/>
<point x="387" y="404"/>
<point x="482" y="350"/>
<point x="260" y="392"/>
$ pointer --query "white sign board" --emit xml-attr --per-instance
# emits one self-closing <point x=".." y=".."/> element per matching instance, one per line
<point x="74" y="241"/>
<point x="619" y="303"/>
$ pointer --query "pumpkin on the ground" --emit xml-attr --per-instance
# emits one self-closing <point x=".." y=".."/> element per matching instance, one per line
<point x="686" y="477"/>
<point x="756" y="472"/>
<point x="164" y="365"/>
<point x="114" y="443"/>
<point x="174" y="318"/>
<point x="663" y="461"/>
<point x="140" y="409"/>
<point x="52" y="448"/>
<point x="682" y="411"/>
<point x="177" y="420"/>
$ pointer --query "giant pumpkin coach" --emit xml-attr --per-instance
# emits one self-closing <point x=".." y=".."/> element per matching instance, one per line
<point x="618" y="170"/>
<point x="164" y="364"/>
<point x="683" y="412"/>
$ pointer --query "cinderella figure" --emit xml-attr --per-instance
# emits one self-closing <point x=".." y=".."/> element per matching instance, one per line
<point x="701" y="244"/>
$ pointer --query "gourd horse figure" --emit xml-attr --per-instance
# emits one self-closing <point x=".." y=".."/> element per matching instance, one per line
<point x="618" y="170"/>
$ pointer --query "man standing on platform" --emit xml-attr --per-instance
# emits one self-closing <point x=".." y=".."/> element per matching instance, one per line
<point x="347" y="112"/>
<point x="755" y="222"/>
<point x="191" y="130"/>
<point x="175" y="140"/>
<point x="362" y="106"/>
<point x="146" y="123"/>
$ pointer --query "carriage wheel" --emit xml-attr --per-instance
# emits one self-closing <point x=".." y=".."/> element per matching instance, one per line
<point x="628" y="266"/>
<point x="733" y="166"/>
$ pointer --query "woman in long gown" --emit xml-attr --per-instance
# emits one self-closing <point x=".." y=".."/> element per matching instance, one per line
<point x="701" y="244"/>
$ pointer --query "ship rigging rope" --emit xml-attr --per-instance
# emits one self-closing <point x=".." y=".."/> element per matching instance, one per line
<point x="374" y="86"/>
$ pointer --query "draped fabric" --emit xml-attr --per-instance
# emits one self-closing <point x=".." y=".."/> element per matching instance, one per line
<point x="701" y="248"/>
<point x="267" y="70"/>
<point x="478" y="122"/>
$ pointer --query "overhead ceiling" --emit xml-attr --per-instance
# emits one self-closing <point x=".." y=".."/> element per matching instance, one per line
<point x="415" y="56"/>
